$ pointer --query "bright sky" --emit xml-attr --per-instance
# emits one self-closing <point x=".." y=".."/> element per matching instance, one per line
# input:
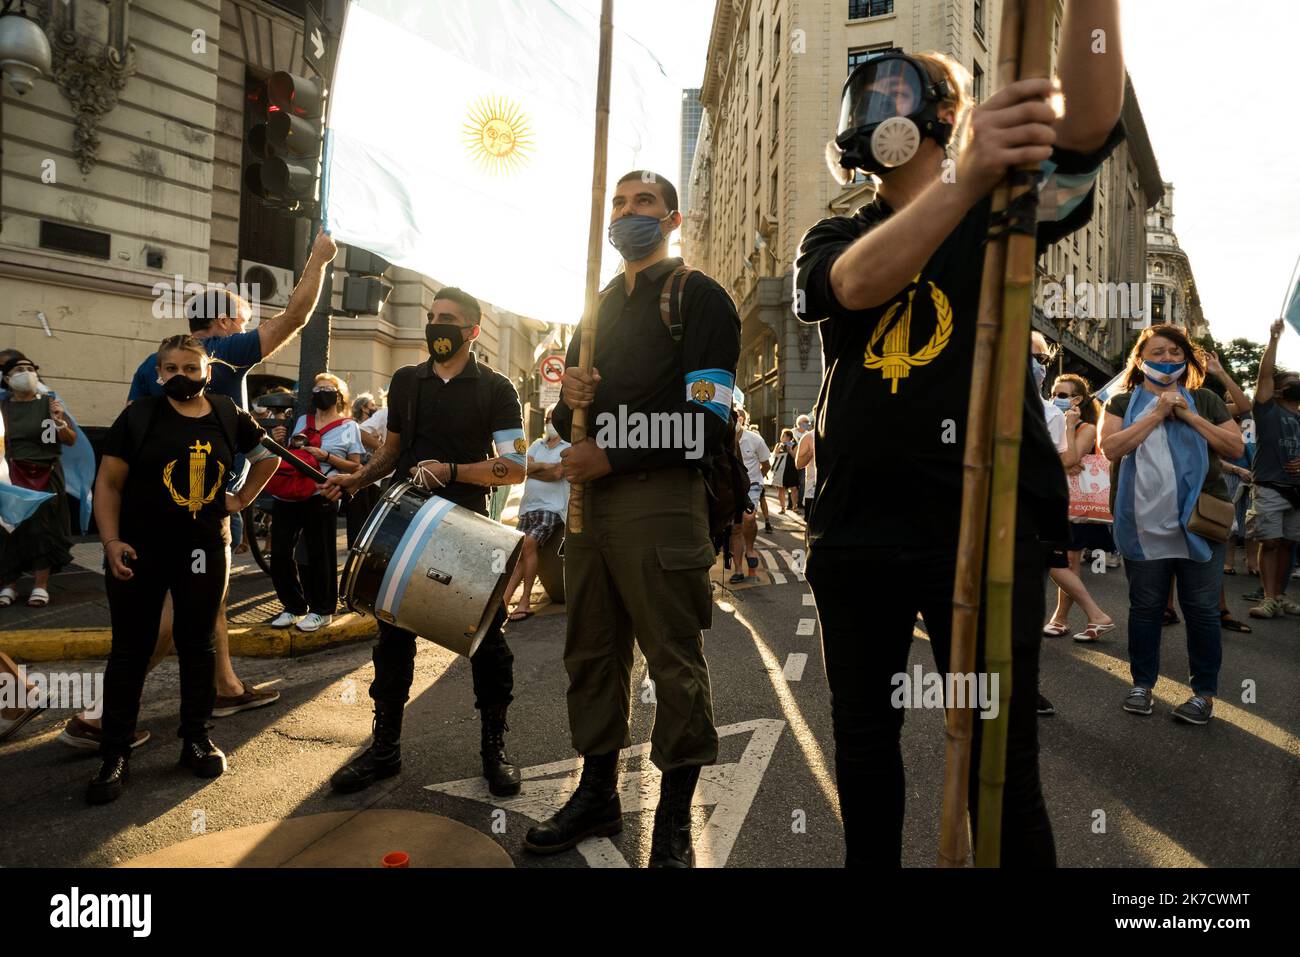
<point x="1228" y="148"/>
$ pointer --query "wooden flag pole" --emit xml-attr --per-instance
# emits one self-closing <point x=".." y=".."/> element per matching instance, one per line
<point x="1009" y="411"/>
<point x="587" y="335"/>
<point x="954" y="831"/>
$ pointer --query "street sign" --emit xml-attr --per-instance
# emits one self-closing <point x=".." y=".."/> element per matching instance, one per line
<point x="552" y="368"/>
<point x="318" y="44"/>
<point x="548" y="394"/>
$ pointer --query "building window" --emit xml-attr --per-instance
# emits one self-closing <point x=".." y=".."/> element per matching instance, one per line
<point x="1087" y="242"/>
<point x="979" y="17"/>
<point x="776" y="46"/>
<point x="860" y="9"/>
<point x="760" y="42"/>
<point x="776" y="118"/>
<point x="1157" y="303"/>
<point x="758" y="103"/>
<point x="857" y="57"/>
<point x="774" y="193"/>
<point x="977" y="83"/>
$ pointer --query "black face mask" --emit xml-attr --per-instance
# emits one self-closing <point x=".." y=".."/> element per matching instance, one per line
<point x="443" y="340"/>
<point x="1292" y="392"/>
<point x="324" y="400"/>
<point x="182" y="388"/>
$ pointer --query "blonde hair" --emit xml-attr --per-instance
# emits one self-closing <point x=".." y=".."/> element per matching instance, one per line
<point x="341" y="387"/>
<point x="938" y="67"/>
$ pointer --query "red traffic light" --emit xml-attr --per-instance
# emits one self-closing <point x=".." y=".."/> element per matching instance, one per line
<point x="295" y="94"/>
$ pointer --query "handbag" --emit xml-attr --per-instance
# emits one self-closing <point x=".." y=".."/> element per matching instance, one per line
<point x="1212" y="518"/>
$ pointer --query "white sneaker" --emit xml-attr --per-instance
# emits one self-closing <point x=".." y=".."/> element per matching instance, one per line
<point x="315" y="621"/>
<point x="284" y="620"/>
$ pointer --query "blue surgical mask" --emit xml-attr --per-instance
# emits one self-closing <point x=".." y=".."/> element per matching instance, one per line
<point x="1040" y="373"/>
<point x="1063" y="404"/>
<point x="636" y="237"/>
<point x="1164" y="373"/>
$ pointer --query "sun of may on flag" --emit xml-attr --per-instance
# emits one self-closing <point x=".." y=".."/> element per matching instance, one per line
<point x="460" y="142"/>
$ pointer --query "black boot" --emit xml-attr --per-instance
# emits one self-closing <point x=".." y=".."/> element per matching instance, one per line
<point x="502" y="776"/>
<point x="671" y="844"/>
<point x="107" y="784"/>
<point x="203" y="757"/>
<point x="593" y="810"/>
<point x="381" y="760"/>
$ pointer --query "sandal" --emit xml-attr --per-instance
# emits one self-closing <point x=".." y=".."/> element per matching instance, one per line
<point x="1055" y="630"/>
<point x="7" y="597"/>
<point x="39" y="598"/>
<point x="1232" y="624"/>
<point x="737" y="579"/>
<point x="1094" y="631"/>
<point x="520" y="615"/>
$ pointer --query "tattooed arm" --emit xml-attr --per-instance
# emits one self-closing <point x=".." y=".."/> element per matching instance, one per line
<point x="380" y="464"/>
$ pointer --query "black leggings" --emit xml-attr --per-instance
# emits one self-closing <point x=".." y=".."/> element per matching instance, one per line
<point x="316" y="520"/>
<point x="867" y="608"/>
<point x="198" y="586"/>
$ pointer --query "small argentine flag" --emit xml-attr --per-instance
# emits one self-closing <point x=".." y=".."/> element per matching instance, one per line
<point x="1111" y="388"/>
<point x="1292" y="311"/>
<point x="18" y="504"/>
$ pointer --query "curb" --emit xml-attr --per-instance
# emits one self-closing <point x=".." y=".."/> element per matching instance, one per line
<point x="250" y="641"/>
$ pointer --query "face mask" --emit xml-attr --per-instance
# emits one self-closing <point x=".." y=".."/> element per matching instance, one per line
<point x="23" y="382"/>
<point x="325" y="400"/>
<point x="1291" y="393"/>
<point x="636" y="237"/>
<point x="1039" y="371"/>
<point x="443" y="340"/>
<point x="1065" y="405"/>
<point x="551" y="432"/>
<point x="182" y="388"/>
<point x="1164" y="373"/>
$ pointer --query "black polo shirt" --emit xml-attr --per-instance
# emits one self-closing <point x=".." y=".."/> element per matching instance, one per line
<point x="458" y="421"/>
<point x="891" y="430"/>
<point x="642" y="371"/>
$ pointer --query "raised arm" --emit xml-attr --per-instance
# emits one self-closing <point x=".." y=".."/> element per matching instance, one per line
<point x="1235" y="392"/>
<point x="1091" y="67"/>
<point x="280" y="328"/>
<point x="1264" y="387"/>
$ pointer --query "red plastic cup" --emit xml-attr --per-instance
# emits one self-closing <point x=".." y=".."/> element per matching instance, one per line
<point x="397" y="859"/>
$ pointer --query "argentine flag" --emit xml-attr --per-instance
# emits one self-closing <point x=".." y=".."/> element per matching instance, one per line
<point x="460" y="142"/>
<point x="16" y="504"/>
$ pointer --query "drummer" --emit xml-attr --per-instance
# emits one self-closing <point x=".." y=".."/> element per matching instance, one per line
<point x="444" y="417"/>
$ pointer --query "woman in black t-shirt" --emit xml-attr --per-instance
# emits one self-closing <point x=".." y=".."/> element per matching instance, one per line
<point x="895" y="289"/>
<point x="163" y="514"/>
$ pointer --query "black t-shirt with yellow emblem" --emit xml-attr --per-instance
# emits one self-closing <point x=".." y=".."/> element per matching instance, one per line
<point x="175" y="490"/>
<point x="891" y="428"/>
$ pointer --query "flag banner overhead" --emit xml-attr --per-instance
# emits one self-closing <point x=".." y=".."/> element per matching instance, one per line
<point x="461" y="137"/>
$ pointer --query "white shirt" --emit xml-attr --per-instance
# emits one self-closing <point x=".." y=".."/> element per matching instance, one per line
<point x="377" y="425"/>
<point x="539" y="494"/>
<point x="753" y="450"/>
<point x="1056" y="426"/>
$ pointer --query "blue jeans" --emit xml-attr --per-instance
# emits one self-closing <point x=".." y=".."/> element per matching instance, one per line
<point x="1199" y="584"/>
<point x="238" y="474"/>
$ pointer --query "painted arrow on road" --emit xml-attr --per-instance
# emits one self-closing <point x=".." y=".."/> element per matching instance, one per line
<point x="728" y="789"/>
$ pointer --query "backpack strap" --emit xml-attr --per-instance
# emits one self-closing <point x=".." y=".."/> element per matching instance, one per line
<point x="407" y="436"/>
<point x="670" y="301"/>
<point x="140" y="416"/>
<point x="227" y="418"/>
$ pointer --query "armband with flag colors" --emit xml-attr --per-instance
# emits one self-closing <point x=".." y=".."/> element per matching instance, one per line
<point x="712" y="389"/>
<point x="512" y="445"/>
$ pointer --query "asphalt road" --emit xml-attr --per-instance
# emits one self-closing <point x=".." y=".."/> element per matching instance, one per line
<point x="1121" y="790"/>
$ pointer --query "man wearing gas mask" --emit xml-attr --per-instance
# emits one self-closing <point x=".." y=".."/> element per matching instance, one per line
<point x="895" y="288"/>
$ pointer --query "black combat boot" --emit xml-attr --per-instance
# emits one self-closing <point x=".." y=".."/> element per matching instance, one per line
<point x="502" y="776"/>
<point x="381" y="760"/>
<point x="592" y="811"/>
<point x="107" y="784"/>
<point x="671" y="844"/>
<point x="203" y="757"/>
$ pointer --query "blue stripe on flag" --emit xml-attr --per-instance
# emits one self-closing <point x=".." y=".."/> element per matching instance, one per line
<point x="1292" y="311"/>
<point x="18" y="504"/>
<point x="412" y="545"/>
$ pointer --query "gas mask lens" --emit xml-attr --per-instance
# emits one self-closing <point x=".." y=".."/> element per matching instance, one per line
<point x="879" y="90"/>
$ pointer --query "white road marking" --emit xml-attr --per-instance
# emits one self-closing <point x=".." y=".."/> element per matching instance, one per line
<point x="807" y="626"/>
<point x="765" y="543"/>
<point x="772" y="567"/>
<point x="728" y="788"/>
<point x="794" y="566"/>
<point x="808" y="599"/>
<point x="794" y="666"/>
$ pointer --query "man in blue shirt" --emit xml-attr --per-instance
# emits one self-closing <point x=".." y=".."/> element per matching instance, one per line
<point x="220" y="318"/>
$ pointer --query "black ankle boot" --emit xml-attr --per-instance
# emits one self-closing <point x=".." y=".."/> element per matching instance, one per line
<point x="381" y="760"/>
<point x="107" y="784"/>
<point x="502" y="776"/>
<point x="203" y="757"/>
<point x="671" y="844"/>
<point x="593" y="810"/>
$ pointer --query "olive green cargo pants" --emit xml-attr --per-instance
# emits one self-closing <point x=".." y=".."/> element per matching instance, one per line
<point x="640" y="567"/>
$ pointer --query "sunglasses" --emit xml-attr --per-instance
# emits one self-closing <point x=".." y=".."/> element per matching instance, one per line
<point x="1062" y="395"/>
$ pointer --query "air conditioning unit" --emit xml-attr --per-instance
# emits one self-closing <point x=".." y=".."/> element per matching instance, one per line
<point x="265" y="285"/>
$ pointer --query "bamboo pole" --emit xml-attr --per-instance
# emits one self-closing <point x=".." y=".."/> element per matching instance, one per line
<point x="587" y="336"/>
<point x="954" y="831"/>
<point x="1009" y="410"/>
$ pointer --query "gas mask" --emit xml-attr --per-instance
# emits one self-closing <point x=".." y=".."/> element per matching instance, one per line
<point x="888" y="104"/>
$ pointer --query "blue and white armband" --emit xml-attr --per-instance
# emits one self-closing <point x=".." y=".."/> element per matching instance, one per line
<point x="1059" y="194"/>
<point x="712" y="389"/>
<point x="512" y="445"/>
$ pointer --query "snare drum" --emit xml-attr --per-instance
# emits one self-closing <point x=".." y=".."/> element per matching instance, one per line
<point x="432" y="567"/>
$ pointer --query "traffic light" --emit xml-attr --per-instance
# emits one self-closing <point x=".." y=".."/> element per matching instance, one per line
<point x="365" y="290"/>
<point x="285" y="141"/>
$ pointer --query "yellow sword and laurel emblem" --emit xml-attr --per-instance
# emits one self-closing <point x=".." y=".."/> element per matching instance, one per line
<point x="896" y="360"/>
<point x="195" y="500"/>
